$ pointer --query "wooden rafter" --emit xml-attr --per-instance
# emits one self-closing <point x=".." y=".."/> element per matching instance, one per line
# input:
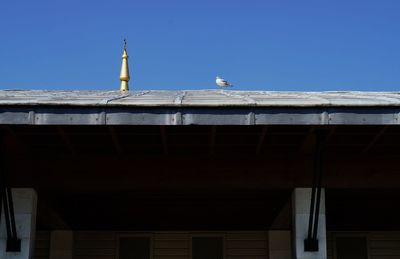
<point x="213" y="134"/>
<point x="164" y="140"/>
<point x="66" y="140"/>
<point x="261" y="139"/>
<point x="375" y="139"/>
<point x="309" y="142"/>
<point x="115" y="140"/>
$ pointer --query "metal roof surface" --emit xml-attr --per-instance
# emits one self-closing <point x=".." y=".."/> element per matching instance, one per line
<point x="199" y="98"/>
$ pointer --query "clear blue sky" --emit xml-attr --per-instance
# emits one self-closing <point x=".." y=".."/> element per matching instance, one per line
<point x="290" y="45"/>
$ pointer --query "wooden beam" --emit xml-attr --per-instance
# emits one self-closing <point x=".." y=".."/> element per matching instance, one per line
<point x="238" y="172"/>
<point x="13" y="141"/>
<point x="115" y="140"/>
<point x="309" y="142"/>
<point x="50" y="218"/>
<point x="375" y="139"/>
<point x="330" y="133"/>
<point x="261" y="139"/>
<point x="66" y="140"/>
<point x="164" y="140"/>
<point x="212" y="139"/>
<point x="283" y="219"/>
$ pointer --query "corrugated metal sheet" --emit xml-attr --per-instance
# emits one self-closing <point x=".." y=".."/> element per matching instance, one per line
<point x="199" y="98"/>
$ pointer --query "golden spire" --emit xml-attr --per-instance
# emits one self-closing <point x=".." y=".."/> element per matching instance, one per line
<point x="124" y="76"/>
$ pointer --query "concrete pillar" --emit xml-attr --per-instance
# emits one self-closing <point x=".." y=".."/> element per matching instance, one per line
<point x="61" y="244"/>
<point x="25" y="204"/>
<point x="279" y="244"/>
<point x="301" y="213"/>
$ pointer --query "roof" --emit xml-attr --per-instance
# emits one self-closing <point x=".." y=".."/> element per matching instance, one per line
<point x="198" y="107"/>
<point x="199" y="98"/>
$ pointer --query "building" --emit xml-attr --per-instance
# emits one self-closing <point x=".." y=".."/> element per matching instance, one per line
<point x="200" y="174"/>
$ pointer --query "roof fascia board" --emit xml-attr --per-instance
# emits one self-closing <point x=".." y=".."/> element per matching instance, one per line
<point x="48" y="115"/>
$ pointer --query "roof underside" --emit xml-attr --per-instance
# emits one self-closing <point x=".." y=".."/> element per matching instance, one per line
<point x="198" y="107"/>
<point x="203" y="177"/>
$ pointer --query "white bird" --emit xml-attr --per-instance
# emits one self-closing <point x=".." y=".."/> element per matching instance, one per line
<point x="222" y="82"/>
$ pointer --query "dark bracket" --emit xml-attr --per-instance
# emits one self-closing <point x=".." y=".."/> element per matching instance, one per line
<point x="13" y="245"/>
<point x="311" y="243"/>
<point x="6" y="202"/>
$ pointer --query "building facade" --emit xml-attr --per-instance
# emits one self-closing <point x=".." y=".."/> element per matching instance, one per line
<point x="199" y="174"/>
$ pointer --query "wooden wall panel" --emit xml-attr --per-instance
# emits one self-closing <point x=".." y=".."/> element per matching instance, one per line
<point x="171" y="245"/>
<point x="246" y="245"/>
<point x="42" y="245"/>
<point x="380" y="244"/>
<point x="238" y="245"/>
<point x="329" y="245"/>
<point x="175" y="245"/>
<point x="94" y="245"/>
<point x="384" y="245"/>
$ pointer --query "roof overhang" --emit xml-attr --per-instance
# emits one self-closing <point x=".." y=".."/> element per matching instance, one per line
<point x="200" y="107"/>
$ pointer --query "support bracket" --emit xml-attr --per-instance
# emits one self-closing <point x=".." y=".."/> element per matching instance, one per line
<point x="6" y="201"/>
<point x="311" y="242"/>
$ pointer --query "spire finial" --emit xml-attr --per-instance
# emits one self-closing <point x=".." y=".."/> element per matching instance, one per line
<point x="124" y="76"/>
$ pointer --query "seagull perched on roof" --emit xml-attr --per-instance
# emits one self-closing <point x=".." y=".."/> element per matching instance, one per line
<point x="222" y="82"/>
